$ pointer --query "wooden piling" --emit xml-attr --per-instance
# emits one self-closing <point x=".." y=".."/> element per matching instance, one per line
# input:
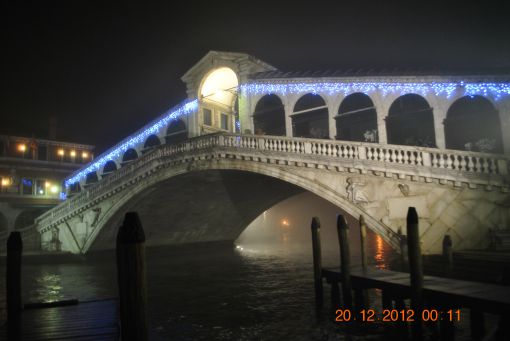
<point x="317" y="261"/>
<point x="362" y="237"/>
<point x="132" y="278"/>
<point x="13" y="284"/>
<point x="448" y="251"/>
<point x="345" y="261"/>
<point x="415" y="269"/>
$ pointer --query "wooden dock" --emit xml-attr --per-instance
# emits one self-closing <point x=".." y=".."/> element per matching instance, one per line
<point x="449" y="293"/>
<point x="92" y="320"/>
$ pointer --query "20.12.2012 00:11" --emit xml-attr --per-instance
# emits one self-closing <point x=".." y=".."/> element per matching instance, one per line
<point x="394" y="315"/>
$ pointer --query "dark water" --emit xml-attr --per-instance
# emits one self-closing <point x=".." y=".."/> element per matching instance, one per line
<point x="209" y="291"/>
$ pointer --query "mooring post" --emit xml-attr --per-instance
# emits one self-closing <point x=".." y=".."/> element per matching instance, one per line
<point x="361" y="295"/>
<point x="345" y="261"/>
<point x="404" y="262"/>
<point x="317" y="261"/>
<point x="132" y="278"/>
<point x="448" y="251"/>
<point x="415" y="269"/>
<point x="362" y="238"/>
<point x="13" y="284"/>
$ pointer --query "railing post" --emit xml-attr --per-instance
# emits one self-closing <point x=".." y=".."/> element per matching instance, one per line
<point x="502" y="167"/>
<point x="261" y="143"/>
<point x="308" y="147"/>
<point x="362" y="153"/>
<point x="13" y="284"/>
<point x="132" y="279"/>
<point x="345" y="261"/>
<point x="221" y="140"/>
<point x="415" y="269"/>
<point x="425" y="156"/>
<point x="317" y="261"/>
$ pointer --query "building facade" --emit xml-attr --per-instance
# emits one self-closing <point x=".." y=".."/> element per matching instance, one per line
<point x="31" y="178"/>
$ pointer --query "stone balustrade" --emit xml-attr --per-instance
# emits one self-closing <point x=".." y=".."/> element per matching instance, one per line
<point x="446" y="167"/>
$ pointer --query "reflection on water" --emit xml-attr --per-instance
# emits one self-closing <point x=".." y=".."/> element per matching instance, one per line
<point x="380" y="256"/>
<point x="210" y="291"/>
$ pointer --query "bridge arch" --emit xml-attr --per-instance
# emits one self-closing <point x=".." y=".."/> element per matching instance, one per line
<point x="176" y="132"/>
<point x="151" y="141"/>
<point x="310" y="117"/>
<point x="269" y="116"/>
<point x="472" y="123"/>
<point x="130" y="155"/>
<point x="139" y="193"/>
<point x="357" y="119"/>
<point x="410" y="122"/>
<point x="109" y="167"/>
<point x="26" y="218"/>
<point x="91" y="178"/>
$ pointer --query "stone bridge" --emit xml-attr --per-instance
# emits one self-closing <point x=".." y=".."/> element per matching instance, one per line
<point x="211" y="187"/>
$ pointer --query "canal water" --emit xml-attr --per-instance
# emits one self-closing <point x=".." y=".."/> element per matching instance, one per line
<point x="211" y="291"/>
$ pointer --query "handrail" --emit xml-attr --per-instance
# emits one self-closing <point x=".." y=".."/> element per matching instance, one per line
<point x="473" y="163"/>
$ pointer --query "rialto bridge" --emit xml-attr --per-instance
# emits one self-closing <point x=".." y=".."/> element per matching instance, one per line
<point x="250" y="136"/>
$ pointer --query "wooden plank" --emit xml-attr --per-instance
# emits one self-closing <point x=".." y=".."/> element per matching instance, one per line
<point x="485" y="297"/>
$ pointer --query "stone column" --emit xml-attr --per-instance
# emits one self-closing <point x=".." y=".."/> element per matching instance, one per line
<point x="504" y="117"/>
<point x="381" y="108"/>
<point x="288" y="120"/>
<point x="440" y="107"/>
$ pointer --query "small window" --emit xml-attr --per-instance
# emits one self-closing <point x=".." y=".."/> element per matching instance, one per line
<point x="224" y="121"/>
<point x="40" y="187"/>
<point x="207" y="117"/>
<point x="42" y="153"/>
<point x="27" y="185"/>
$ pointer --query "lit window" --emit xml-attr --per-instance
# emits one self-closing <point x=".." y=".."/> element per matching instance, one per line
<point x="5" y="182"/>
<point x="61" y="152"/>
<point x="40" y="187"/>
<point x="84" y="155"/>
<point x="207" y="117"/>
<point x="224" y="121"/>
<point x="73" y="153"/>
<point x="22" y="147"/>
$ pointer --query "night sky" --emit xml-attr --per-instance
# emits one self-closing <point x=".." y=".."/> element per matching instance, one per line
<point x="106" y="70"/>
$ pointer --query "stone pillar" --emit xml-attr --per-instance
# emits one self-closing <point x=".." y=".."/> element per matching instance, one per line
<point x="504" y="117"/>
<point x="245" y="114"/>
<point x="288" y="119"/>
<point x="439" y="105"/>
<point x="331" y="120"/>
<point x="381" y="108"/>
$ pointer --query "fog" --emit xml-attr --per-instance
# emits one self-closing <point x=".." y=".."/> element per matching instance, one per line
<point x="286" y="228"/>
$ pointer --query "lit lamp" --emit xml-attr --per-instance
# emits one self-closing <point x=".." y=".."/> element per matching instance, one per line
<point x="84" y="155"/>
<point x="5" y="182"/>
<point x="22" y="148"/>
<point x="73" y="153"/>
<point x="61" y="154"/>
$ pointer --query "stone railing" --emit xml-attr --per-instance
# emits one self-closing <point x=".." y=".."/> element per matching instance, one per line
<point x="457" y="167"/>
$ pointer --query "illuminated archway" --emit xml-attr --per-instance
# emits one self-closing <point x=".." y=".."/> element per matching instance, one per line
<point x="310" y="117"/>
<point x="357" y="119"/>
<point x="269" y="116"/>
<point x="218" y="95"/>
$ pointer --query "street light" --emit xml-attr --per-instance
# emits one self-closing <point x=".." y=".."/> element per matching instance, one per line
<point x="61" y="153"/>
<point x="22" y="148"/>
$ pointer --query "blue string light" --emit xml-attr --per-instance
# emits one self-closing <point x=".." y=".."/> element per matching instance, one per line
<point x="497" y="90"/>
<point x="448" y="89"/>
<point x="138" y="137"/>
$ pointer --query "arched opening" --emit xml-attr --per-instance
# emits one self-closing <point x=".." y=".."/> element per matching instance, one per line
<point x="129" y="155"/>
<point x="176" y="132"/>
<point x="152" y="141"/>
<point x="218" y="94"/>
<point x="310" y="117"/>
<point x="91" y="178"/>
<point x="357" y="119"/>
<point x="472" y="123"/>
<point x="109" y="167"/>
<point x="410" y="122"/>
<point x="27" y="218"/>
<point x="269" y="116"/>
<point x="74" y="188"/>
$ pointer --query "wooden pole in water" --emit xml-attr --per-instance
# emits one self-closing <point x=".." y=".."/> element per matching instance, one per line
<point x="132" y="279"/>
<point x="415" y="269"/>
<point x="317" y="261"/>
<point x="345" y="261"/>
<point x="362" y="237"/>
<point x="13" y="283"/>
<point x="448" y="251"/>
